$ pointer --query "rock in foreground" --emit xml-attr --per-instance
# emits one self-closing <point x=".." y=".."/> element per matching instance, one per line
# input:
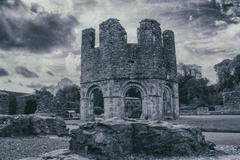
<point x="25" y="125"/>
<point x="119" y="139"/>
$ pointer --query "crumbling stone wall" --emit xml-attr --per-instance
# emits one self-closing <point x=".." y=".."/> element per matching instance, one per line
<point x="231" y="101"/>
<point x="4" y="102"/>
<point x="13" y="102"/>
<point x="115" y="66"/>
<point x="22" y="102"/>
<point x="151" y="57"/>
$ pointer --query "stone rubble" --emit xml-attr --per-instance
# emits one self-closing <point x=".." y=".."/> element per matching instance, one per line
<point x="26" y="125"/>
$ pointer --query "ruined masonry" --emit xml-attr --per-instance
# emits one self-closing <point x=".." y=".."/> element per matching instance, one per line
<point x="127" y="80"/>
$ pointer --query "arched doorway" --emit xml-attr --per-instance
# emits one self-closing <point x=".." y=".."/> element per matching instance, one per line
<point x="31" y="107"/>
<point x="167" y="104"/>
<point x="97" y="102"/>
<point x="133" y="103"/>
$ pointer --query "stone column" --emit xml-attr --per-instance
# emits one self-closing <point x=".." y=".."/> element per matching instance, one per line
<point x="86" y="112"/>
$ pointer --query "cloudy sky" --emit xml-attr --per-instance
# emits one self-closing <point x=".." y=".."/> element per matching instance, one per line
<point x="40" y="39"/>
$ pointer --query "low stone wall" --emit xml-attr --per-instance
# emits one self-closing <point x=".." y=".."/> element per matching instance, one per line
<point x="118" y="139"/>
<point x="25" y="125"/>
<point x="4" y="103"/>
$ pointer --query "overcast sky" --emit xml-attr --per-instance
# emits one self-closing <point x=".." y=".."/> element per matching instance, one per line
<point x="40" y="39"/>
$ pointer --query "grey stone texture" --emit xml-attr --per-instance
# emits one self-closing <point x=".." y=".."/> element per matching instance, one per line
<point x="22" y="102"/>
<point x="116" y="66"/>
<point x="27" y="125"/>
<point x="18" y="107"/>
<point x="4" y="102"/>
<point x="117" y="139"/>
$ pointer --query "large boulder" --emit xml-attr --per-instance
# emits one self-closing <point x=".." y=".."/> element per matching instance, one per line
<point x="119" y="139"/>
<point x="25" y="125"/>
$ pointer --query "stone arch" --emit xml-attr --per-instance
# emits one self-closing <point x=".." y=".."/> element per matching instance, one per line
<point x="136" y="84"/>
<point x="133" y="94"/>
<point x="96" y="101"/>
<point x="168" y="111"/>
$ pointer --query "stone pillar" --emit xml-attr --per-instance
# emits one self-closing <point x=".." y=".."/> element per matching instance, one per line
<point x="154" y="103"/>
<point x="86" y="112"/>
<point x="161" y="114"/>
<point x="145" y="111"/>
<point x="169" y="55"/>
<point x="175" y="99"/>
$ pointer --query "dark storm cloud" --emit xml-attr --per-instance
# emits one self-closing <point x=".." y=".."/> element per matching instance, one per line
<point x="33" y="28"/>
<point x="50" y="73"/>
<point x="25" y="72"/>
<point x="3" y="72"/>
<point x="12" y="4"/>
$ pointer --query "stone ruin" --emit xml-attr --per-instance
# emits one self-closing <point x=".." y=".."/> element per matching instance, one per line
<point x="12" y="103"/>
<point x="128" y="80"/>
<point x="133" y="87"/>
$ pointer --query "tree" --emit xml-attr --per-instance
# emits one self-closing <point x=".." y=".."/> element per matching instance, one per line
<point x="46" y="102"/>
<point x="197" y="92"/>
<point x="228" y="72"/>
<point x="67" y="98"/>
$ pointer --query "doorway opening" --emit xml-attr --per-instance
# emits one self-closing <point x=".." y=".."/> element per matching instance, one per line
<point x="133" y="103"/>
<point x="97" y="102"/>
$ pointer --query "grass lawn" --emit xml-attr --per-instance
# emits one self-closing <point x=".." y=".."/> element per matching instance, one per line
<point x="22" y="147"/>
<point x="212" y="123"/>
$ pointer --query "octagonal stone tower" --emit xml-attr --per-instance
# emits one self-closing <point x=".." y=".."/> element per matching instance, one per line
<point x="124" y="80"/>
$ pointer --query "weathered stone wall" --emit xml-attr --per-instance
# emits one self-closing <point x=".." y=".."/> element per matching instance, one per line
<point x="22" y="102"/>
<point x="152" y="57"/>
<point x="169" y="55"/>
<point x="7" y="106"/>
<point x="149" y="65"/>
<point x="231" y="101"/>
<point x="113" y="93"/>
<point x="4" y="102"/>
<point x="27" y="125"/>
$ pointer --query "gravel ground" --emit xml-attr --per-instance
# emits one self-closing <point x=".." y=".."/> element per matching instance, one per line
<point x="16" y="148"/>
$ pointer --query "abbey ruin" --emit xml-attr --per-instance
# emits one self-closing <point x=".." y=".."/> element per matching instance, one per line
<point x="126" y="80"/>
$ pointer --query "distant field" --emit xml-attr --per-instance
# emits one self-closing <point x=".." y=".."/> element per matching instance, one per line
<point x="212" y="123"/>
